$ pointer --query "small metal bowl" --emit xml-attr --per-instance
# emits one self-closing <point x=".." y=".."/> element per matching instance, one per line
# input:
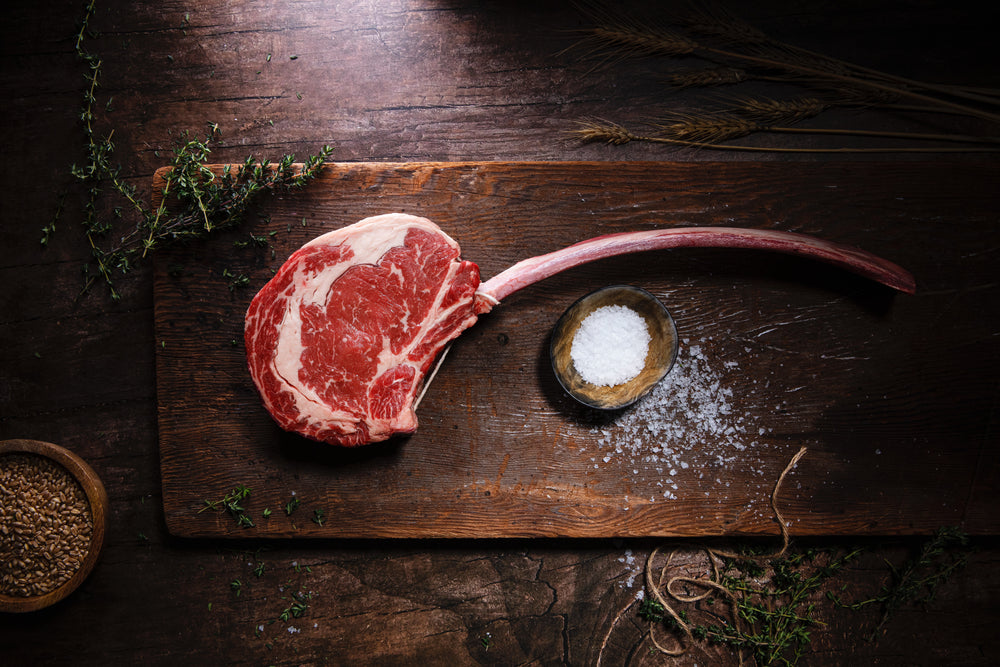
<point x="659" y="359"/>
<point x="97" y="499"/>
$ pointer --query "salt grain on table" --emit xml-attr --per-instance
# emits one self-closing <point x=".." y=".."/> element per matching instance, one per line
<point x="686" y="421"/>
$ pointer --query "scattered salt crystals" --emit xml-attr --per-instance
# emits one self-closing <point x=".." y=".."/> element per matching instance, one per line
<point x="629" y="560"/>
<point x="610" y="346"/>
<point x="687" y="421"/>
<point x="292" y="630"/>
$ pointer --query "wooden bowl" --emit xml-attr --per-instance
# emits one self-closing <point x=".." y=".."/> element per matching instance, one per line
<point x="659" y="359"/>
<point x="98" y="500"/>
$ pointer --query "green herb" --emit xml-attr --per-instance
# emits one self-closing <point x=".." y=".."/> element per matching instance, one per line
<point x="297" y="608"/>
<point x="236" y="586"/>
<point x="917" y="580"/>
<point x="255" y="240"/>
<point x="258" y="570"/>
<point x="651" y="610"/>
<point x="235" y="280"/>
<point x="47" y="233"/>
<point x="230" y="503"/>
<point x="267" y="510"/>
<point x="291" y="505"/>
<point x="206" y="201"/>
<point x="318" y="517"/>
<point x="50" y="229"/>
<point x="486" y="640"/>
<point x="772" y="608"/>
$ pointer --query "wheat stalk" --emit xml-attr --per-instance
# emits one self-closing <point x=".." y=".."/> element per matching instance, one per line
<point x="701" y="133"/>
<point x="708" y="128"/>
<point x="630" y="38"/>
<point x="713" y="20"/>
<point x="769" y="111"/>
<point x="708" y="77"/>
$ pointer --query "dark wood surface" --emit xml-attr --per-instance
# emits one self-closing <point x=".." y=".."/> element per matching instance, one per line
<point x="803" y="356"/>
<point x="446" y="81"/>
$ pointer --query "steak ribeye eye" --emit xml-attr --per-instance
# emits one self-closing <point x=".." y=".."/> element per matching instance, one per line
<point x="339" y="341"/>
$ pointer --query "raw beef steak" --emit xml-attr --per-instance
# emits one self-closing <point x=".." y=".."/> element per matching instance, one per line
<point x="338" y="342"/>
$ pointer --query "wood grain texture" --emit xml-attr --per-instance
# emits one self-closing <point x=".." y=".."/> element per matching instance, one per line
<point x="805" y="356"/>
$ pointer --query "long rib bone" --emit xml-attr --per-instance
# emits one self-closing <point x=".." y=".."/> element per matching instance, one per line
<point x="538" y="268"/>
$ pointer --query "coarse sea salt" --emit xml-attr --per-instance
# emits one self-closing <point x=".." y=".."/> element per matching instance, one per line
<point x="687" y="421"/>
<point x="610" y="346"/>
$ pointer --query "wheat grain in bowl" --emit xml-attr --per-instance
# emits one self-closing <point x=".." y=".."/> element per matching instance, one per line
<point x="52" y="523"/>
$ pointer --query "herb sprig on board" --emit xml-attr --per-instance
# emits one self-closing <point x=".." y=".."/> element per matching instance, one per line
<point x="205" y="202"/>
<point x="230" y="503"/>
<point x="201" y="201"/>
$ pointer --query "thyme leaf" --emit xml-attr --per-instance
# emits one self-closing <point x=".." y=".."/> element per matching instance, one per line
<point x="205" y="202"/>
<point x="230" y="503"/>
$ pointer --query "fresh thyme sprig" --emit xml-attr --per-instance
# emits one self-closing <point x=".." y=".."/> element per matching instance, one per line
<point x="770" y="606"/>
<point x="202" y="202"/>
<point x="766" y="607"/>
<point x="230" y="503"/>
<point x="205" y="203"/>
<point x="917" y="580"/>
<point x="297" y="608"/>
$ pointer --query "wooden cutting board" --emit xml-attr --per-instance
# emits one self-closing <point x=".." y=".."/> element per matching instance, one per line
<point x="894" y="397"/>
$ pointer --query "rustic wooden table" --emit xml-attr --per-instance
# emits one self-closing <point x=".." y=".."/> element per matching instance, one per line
<point x="407" y="81"/>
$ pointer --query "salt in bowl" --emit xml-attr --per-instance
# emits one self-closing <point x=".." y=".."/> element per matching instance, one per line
<point x="660" y="357"/>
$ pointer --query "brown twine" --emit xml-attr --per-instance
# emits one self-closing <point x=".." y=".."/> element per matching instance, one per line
<point x="711" y="585"/>
<point x="785" y="539"/>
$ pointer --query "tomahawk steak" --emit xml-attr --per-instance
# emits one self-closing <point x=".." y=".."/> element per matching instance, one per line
<point x="340" y="339"/>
